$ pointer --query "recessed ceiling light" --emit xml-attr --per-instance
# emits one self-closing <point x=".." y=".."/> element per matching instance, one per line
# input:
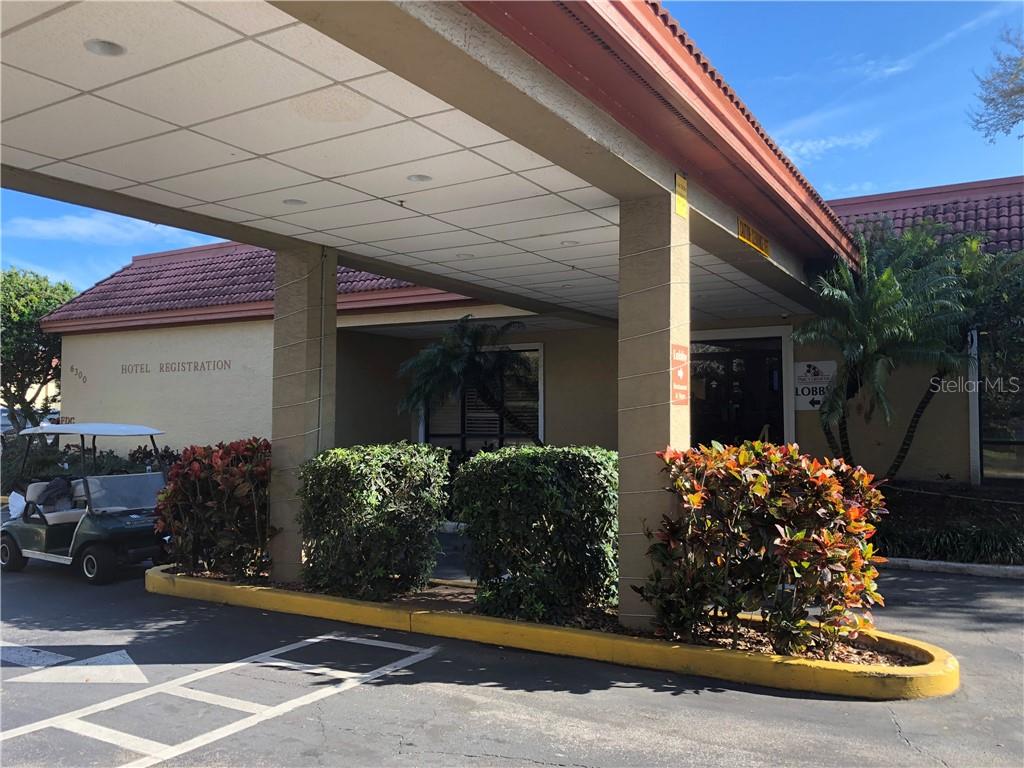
<point x="104" y="47"/>
<point x="464" y="255"/>
<point x="293" y="201"/>
<point x="566" y="285"/>
<point x="420" y="177"/>
<point x="570" y="242"/>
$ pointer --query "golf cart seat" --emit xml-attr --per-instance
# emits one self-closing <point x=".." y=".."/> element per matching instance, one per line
<point x="68" y="509"/>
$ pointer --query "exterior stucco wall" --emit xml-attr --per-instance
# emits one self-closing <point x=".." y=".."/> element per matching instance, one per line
<point x="941" y="447"/>
<point x="369" y="389"/>
<point x="118" y="377"/>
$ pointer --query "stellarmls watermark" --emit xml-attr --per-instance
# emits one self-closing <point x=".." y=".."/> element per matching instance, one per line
<point x="959" y="385"/>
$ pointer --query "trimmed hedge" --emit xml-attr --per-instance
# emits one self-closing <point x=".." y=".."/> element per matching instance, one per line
<point x="369" y="518"/>
<point x="934" y="526"/>
<point x="542" y="524"/>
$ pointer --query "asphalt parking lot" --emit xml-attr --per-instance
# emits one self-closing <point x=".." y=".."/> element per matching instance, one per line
<point x="113" y="676"/>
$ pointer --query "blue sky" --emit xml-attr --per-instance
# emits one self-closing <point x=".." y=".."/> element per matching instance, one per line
<point x="865" y="97"/>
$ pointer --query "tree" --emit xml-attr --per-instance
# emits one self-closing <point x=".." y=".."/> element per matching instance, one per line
<point x="29" y="357"/>
<point x="1001" y="90"/>
<point x="468" y="356"/>
<point x="904" y="305"/>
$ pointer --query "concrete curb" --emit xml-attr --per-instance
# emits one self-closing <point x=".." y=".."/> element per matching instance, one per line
<point x="963" y="569"/>
<point x="938" y="674"/>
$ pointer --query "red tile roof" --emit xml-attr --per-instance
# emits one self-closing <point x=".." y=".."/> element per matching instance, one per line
<point x="991" y="208"/>
<point x="666" y="18"/>
<point x="215" y="275"/>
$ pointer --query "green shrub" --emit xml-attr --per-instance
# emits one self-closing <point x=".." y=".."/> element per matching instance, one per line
<point x="369" y="518"/>
<point x="542" y="524"/>
<point x="934" y="526"/>
<point x="216" y="510"/>
<point x="761" y="527"/>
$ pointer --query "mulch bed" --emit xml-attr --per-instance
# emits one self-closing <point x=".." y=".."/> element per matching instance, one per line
<point x="454" y="599"/>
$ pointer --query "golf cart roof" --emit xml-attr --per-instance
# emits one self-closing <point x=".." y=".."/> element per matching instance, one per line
<point x="100" y="429"/>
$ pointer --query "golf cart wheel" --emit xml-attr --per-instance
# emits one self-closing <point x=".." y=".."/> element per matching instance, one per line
<point x="11" y="559"/>
<point x="98" y="564"/>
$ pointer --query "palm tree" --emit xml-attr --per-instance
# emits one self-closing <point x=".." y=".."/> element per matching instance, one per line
<point x="903" y="306"/>
<point x="469" y="356"/>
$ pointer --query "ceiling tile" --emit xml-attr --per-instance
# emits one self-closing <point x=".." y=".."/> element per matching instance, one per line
<point x="161" y="196"/>
<point x="249" y="18"/>
<point x="556" y="179"/>
<point x="574" y="253"/>
<point x="460" y="127"/>
<point x="280" y="227"/>
<point x="248" y="177"/>
<point x="466" y="254"/>
<point x="319" y="194"/>
<point x="401" y="95"/>
<point x="544" y="226"/>
<point x="228" y="80"/>
<point x="518" y="210"/>
<point x="610" y="214"/>
<point x="370" y="149"/>
<point x="544" y="267"/>
<point x="23" y="92"/>
<point x="590" y="198"/>
<point x="472" y="193"/>
<point x="403" y="259"/>
<point x="454" y="239"/>
<point x="82" y="124"/>
<point x="581" y="237"/>
<point x="367" y="250"/>
<point x="171" y="154"/>
<point x="322" y="238"/>
<point x="153" y="34"/>
<point x="349" y="215"/>
<point x="513" y="156"/>
<point x="419" y="225"/>
<point x="521" y="259"/>
<point x="22" y="159"/>
<point x="311" y="117"/>
<point x="327" y="56"/>
<point x="15" y="12"/>
<point x="443" y="171"/>
<point x="82" y="175"/>
<point x="221" y="212"/>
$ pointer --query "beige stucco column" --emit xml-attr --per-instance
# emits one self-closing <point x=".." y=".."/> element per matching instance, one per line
<point x="305" y="316"/>
<point x="654" y="411"/>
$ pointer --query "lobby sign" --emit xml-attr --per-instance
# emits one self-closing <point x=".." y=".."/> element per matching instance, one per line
<point x="812" y="379"/>
<point x="680" y="369"/>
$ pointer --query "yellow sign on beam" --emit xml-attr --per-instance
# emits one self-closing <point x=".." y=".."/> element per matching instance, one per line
<point x="746" y="232"/>
<point x="682" y="206"/>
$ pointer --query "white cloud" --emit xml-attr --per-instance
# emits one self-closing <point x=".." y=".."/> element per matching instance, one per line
<point x="808" y="150"/>
<point x="853" y="189"/>
<point x="99" y="227"/>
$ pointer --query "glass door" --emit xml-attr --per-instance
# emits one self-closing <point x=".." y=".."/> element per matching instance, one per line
<point x="737" y="391"/>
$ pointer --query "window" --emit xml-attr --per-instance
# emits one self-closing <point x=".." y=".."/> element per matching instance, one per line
<point x="469" y="424"/>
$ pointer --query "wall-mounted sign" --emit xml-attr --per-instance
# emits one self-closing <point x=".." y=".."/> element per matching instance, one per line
<point x="746" y="232"/>
<point x="176" y="366"/>
<point x="680" y="370"/>
<point x="682" y="204"/>
<point x="812" y="379"/>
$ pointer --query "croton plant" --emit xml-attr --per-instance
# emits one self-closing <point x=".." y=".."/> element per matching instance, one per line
<point x="216" y="510"/>
<point x="762" y="527"/>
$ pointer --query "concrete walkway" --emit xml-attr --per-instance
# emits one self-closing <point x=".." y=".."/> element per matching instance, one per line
<point x="340" y="702"/>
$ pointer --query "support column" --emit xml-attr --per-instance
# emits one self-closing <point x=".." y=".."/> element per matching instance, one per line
<point x="305" y="328"/>
<point x="653" y="378"/>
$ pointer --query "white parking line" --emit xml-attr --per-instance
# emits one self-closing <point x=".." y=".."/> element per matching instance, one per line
<point x="111" y="736"/>
<point x="276" y="711"/>
<point x="179" y="682"/>
<point x="215" y="698"/>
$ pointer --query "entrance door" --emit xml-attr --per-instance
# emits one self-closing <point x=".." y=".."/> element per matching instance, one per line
<point x="737" y="391"/>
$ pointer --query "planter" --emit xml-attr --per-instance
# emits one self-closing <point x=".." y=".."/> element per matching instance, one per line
<point x="938" y="673"/>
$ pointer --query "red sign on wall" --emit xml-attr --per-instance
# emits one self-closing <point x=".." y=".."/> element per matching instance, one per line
<point x="680" y="370"/>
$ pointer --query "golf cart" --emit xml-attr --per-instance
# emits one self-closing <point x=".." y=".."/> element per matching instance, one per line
<point x="93" y="523"/>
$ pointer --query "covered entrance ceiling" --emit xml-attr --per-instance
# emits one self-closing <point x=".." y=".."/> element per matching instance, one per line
<point x="238" y="112"/>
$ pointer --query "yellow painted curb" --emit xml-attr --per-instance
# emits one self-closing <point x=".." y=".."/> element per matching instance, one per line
<point x="938" y="674"/>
